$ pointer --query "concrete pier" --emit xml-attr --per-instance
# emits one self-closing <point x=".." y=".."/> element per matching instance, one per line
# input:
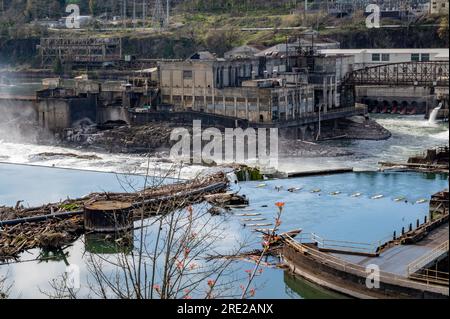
<point x="348" y="273"/>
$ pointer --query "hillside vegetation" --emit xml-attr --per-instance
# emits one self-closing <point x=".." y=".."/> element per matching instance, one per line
<point x="215" y="25"/>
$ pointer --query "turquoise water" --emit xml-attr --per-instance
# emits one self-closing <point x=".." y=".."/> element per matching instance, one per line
<point x="343" y="217"/>
<point x="340" y="216"/>
<point x="37" y="185"/>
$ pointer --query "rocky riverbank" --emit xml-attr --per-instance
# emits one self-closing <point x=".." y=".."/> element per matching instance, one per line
<point x="155" y="138"/>
<point x="357" y="128"/>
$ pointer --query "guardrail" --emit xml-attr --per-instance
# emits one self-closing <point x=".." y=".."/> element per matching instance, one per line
<point x="417" y="271"/>
<point x="431" y="276"/>
<point x="342" y="245"/>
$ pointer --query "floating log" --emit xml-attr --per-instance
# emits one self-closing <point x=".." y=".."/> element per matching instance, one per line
<point x="108" y="216"/>
<point x="253" y="219"/>
<point x="58" y="224"/>
<point x="257" y="225"/>
<point x="327" y="171"/>
<point x="249" y="214"/>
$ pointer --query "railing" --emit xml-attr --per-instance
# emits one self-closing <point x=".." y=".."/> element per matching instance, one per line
<point x="431" y="276"/>
<point x="340" y="264"/>
<point x="416" y="269"/>
<point x="342" y="245"/>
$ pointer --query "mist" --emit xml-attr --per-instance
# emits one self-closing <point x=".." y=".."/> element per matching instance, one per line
<point x="18" y="117"/>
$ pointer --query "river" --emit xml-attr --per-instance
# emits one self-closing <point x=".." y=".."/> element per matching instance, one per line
<point x="36" y="180"/>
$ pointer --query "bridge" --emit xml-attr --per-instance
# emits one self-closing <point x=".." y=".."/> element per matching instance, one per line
<point x="404" y="88"/>
<point x="428" y="74"/>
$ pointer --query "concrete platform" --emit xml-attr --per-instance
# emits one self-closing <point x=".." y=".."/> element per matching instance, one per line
<point x="396" y="259"/>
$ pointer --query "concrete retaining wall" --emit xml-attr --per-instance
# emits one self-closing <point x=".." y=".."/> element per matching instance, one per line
<point x="347" y="282"/>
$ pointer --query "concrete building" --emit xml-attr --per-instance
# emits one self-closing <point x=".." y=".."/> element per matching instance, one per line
<point x="268" y="88"/>
<point x="229" y="88"/>
<point x="439" y="7"/>
<point x="373" y="57"/>
<point x="64" y="103"/>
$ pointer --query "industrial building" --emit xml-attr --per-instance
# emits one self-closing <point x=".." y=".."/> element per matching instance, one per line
<point x="373" y="57"/>
<point x="279" y="84"/>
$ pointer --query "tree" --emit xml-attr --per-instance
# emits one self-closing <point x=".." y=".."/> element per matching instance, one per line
<point x="164" y="257"/>
<point x="57" y="66"/>
<point x="4" y="288"/>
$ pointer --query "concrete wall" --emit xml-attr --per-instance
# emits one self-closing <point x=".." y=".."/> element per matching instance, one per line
<point x="186" y="118"/>
<point x="112" y="113"/>
<point x="53" y="114"/>
<point x="380" y="96"/>
<point x="214" y="87"/>
<point x="56" y="114"/>
<point x="348" y="282"/>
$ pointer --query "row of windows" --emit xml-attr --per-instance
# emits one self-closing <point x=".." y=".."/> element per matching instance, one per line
<point x="424" y="57"/>
<point x="385" y="57"/>
<point x="219" y="99"/>
<point x="380" y="57"/>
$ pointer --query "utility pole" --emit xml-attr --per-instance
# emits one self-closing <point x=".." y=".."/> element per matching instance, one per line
<point x="159" y="18"/>
<point x="167" y="12"/>
<point x="143" y="13"/>
<point x="134" y="14"/>
<point x="304" y="13"/>
<point x="124" y="14"/>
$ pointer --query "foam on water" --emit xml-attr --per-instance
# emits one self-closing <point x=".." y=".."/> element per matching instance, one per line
<point x="22" y="153"/>
<point x="410" y="135"/>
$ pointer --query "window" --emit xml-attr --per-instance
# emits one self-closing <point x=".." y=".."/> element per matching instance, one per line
<point x="415" y="57"/>
<point x="425" y="57"/>
<point x="187" y="75"/>
<point x="385" y="57"/>
<point x="375" y="57"/>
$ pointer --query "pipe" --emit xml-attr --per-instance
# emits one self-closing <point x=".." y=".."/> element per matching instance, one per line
<point x="40" y="218"/>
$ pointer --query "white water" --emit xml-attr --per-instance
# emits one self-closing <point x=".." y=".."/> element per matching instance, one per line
<point x="23" y="153"/>
<point x="410" y="135"/>
<point x="434" y="114"/>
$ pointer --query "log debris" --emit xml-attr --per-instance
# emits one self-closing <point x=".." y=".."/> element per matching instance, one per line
<point x="58" y="231"/>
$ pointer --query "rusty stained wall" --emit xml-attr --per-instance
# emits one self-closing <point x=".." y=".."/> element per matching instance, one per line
<point x="53" y="114"/>
<point x="57" y="114"/>
<point x="190" y="85"/>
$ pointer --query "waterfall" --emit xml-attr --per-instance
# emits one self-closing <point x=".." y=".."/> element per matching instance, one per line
<point x="434" y="113"/>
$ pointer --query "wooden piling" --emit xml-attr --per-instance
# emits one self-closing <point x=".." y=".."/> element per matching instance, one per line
<point x="108" y="216"/>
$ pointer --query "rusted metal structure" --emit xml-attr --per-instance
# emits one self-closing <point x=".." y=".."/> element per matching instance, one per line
<point x="80" y="49"/>
<point x="427" y="74"/>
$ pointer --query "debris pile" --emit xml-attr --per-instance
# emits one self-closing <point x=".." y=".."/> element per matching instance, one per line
<point x="52" y="229"/>
<point x="227" y="200"/>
